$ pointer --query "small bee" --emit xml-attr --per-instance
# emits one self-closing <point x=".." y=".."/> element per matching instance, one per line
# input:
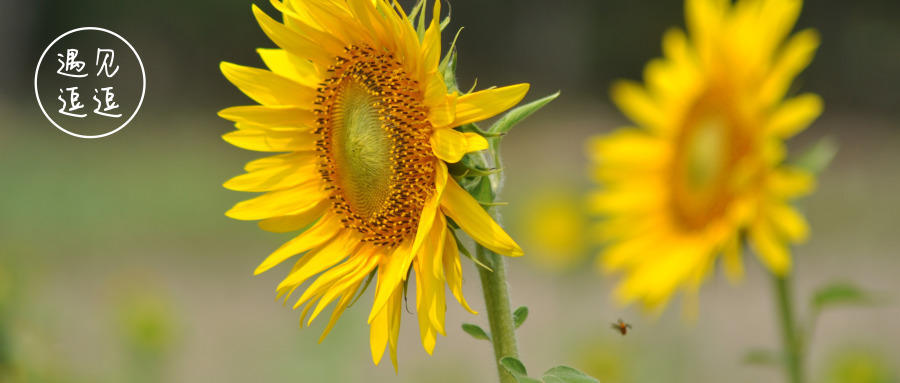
<point x="621" y="327"/>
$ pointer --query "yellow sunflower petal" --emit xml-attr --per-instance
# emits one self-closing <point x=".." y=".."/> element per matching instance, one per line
<point x="298" y="11"/>
<point x="390" y="273"/>
<point x="426" y="290"/>
<point x="677" y="49"/>
<point x="271" y="141"/>
<point x="276" y="160"/>
<point x="793" y="58"/>
<point x="320" y="258"/>
<point x="276" y="116"/>
<point x="794" y="115"/>
<point x="320" y="52"/>
<point x="285" y="64"/>
<point x="295" y="200"/>
<point x="776" y="18"/>
<point x="630" y="147"/>
<point x="471" y="217"/>
<point x="394" y="307"/>
<point x="451" y="145"/>
<point x="289" y="223"/>
<point x="637" y="104"/>
<point x="300" y="170"/>
<point x="342" y="305"/>
<point x="789" y="222"/>
<point x="656" y="281"/>
<point x="321" y="288"/>
<point x="322" y="231"/>
<point x="408" y="50"/>
<point x="430" y="301"/>
<point x="442" y="106"/>
<point x="333" y="16"/>
<point x="703" y="19"/>
<point x="731" y="257"/>
<point x="453" y="270"/>
<point x="266" y="87"/>
<point x="372" y="20"/>
<point x="770" y="249"/>
<point x="431" y="44"/>
<point x="379" y="329"/>
<point x="427" y="219"/>
<point x="477" y="106"/>
<point x="346" y="278"/>
<point x="790" y="182"/>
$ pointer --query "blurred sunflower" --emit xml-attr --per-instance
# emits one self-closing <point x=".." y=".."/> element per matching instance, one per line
<point x="356" y="97"/>
<point x="705" y="167"/>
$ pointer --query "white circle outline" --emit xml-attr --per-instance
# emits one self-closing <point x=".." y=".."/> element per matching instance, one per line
<point x="38" y="69"/>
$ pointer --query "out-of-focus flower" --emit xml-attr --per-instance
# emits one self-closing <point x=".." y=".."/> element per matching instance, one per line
<point x="704" y="167"/>
<point x="859" y="365"/>
<point x="553" y="223"/>
<point x="357" y="97"/>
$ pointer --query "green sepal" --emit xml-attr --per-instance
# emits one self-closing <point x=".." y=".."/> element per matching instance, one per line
<point x="447" y="66"/>
<point x="476" y="331"/>
<point x="817" y="156"/>
<point x="482" y="191"/>
<point x="417" y="13"/>
<point x="467" y="168"/>
<point x="446" y="20"/>
<point x="475" y="129"/>
<point x="520" y="315"/>
<point x="518" y="114"/>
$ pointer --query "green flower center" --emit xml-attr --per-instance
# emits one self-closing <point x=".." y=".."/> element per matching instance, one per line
<point x="361" y="149"/>
<point x="705" y="150"/>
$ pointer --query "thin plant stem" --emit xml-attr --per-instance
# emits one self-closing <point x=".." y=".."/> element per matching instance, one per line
<point x="500" y="318"/>
<point x="793" y="349"/>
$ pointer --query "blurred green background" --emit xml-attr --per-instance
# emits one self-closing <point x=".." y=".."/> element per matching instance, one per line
<point x="117" y="263"/>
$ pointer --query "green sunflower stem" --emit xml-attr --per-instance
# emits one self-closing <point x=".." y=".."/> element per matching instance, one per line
<point x="500" y="317"/>
<point x="793" y="348"/>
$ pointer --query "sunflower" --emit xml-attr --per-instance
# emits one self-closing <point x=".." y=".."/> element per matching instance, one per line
<point x="357" y="100"/>
<point x="704" y="169"/>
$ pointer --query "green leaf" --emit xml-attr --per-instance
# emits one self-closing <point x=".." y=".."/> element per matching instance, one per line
<point x="761" y="357"/>
<point x="514" y="366"/>
<point x="818" y="156"/>
<point x="513" y="117"/>
<point x="476" y="331"/>
<point x="839" y="293"/>
<point x="520" y="315"/>
<point x="565" y="374"/>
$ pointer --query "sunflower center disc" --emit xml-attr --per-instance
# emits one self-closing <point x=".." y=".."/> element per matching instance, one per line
<point x="705" y="157"/>
<point x="374" y="145"/>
